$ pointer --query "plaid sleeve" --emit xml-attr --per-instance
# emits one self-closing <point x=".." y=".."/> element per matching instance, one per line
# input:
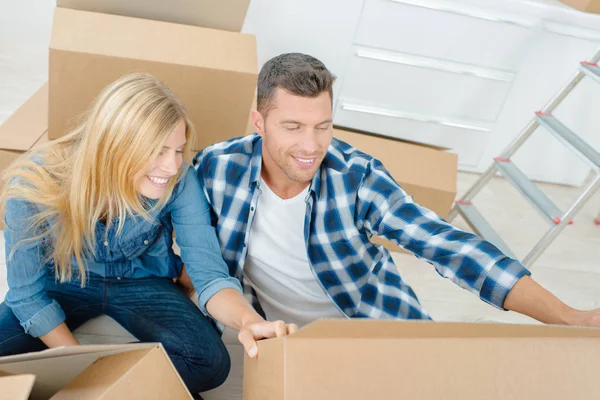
<point x="384" y="209"/>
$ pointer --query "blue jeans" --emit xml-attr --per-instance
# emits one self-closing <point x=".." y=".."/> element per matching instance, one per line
<point x="151" y="309"/>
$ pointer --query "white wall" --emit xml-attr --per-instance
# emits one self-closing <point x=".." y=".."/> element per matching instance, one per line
<point x="24" y="38"/>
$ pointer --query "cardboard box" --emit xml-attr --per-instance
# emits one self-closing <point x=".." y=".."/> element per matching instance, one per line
<point x="428" y="174"/>
<point x="212" y="72"/>
<point x="132" y="371"/>
<point x="223" y="14"/>
<point x="369" y="359"/>
<point x="23" y="130"/>
<point x="591" y="6"/>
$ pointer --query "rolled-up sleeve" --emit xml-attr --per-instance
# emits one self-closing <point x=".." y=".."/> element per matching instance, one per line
<point x="26" y="274"/>
<point x="197" y="239"/>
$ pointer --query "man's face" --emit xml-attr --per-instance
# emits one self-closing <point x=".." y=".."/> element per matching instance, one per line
<point x="296" y="134"/>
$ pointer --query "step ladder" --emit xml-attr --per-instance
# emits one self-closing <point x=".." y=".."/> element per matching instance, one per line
<point x="557" y="219"/>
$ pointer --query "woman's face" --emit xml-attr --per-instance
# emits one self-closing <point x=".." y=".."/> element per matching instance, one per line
<point x="165" y="166"/>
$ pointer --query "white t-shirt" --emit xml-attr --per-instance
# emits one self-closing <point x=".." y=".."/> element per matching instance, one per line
<point x="277" y="264"/>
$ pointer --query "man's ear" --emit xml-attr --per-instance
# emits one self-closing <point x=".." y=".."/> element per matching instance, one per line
<point x="258" y="122"/>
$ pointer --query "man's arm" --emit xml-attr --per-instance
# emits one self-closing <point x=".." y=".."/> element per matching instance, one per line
<point x="530" y="298"/>
<point x="472" y="263"/>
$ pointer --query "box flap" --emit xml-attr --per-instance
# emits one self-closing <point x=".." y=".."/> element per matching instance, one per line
<point x="141" y="39"/>
<point x="25" y="127"/>
<point x="54" y="368"/>
<point x="382" y="329"/>
<point x="408" y="163"/>
<point x="224" y="14"/>
<point x="142" y="374"/>
<point x="102" y="349"/>
<point x="15" y="387"/>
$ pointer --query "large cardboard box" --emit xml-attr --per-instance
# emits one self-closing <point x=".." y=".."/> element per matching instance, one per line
<point x="23" y="130"/>
<point x="222" y="14"/>
<point x="133" y="371"/>
<point x="368" y="359"/>
<point x="592" y="6"/>
<point x="212" y="72"/>
<point x="428" y="174"/>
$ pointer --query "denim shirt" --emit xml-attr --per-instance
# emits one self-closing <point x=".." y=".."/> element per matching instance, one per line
<point x="143" y="249"/>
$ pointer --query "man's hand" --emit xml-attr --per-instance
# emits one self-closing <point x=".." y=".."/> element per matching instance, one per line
<point x="529" y="298"/>
<point x="585" y="318"/>
<point x="251" y="332"/>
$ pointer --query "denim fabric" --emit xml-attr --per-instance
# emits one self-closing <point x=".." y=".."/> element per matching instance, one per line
<point x="142" y="250"/>
<point x="152" y="309"/>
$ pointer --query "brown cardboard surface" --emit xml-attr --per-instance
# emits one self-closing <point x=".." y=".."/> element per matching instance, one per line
<point x="15" y="387"/>
<point x="122" y="376"/>
<point x="427" y="174"/>
<point x="358" y="359"/>
<point x="212" y="72"/>
<point x="23" y="130"/>
<point x="592" y="6"/>
<point x="223" y="14"/>
<point x="267" y="376"/>
<point x="82" y="371"/>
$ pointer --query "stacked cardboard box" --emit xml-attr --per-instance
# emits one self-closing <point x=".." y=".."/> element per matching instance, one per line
<point x="213" y="72"/>
<point x="23" y="130"/>
<point x="196" y="48"/>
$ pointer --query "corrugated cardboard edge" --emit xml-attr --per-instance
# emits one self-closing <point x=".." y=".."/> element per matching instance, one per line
<point x="390" y="329"/>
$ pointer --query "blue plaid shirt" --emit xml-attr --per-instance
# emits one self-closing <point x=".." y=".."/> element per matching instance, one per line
<point x="351" y="198"/>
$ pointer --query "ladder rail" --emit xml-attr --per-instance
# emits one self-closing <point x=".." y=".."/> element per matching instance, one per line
<point x="587" y="69"/>
<point x="522" y="137"/>
<point x="554" y="231"/>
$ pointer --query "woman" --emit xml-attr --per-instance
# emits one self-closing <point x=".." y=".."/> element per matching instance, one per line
<point x="89" y="226"/>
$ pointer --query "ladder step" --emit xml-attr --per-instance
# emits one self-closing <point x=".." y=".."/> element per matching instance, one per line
<point x="570" y="139"/>
<point x="481" y="227"/>
<point x="529" y="190"/>
<point x="590" y="69"/>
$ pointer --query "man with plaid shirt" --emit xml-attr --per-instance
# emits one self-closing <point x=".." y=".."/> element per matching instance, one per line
<point x="295" y="208"/>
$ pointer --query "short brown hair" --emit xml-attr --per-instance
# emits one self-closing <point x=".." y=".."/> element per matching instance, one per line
<point x="296" y="73"/>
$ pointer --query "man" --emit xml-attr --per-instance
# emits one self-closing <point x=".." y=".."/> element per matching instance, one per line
<point x="295" y="209"/>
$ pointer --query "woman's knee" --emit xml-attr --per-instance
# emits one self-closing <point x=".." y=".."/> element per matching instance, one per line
<point x="204" y="367"/>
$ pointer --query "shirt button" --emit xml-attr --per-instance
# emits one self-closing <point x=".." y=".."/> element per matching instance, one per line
<point x="145" y="241"/>
<point x="251" y="208"/>
<point x="106" y="243"/>
<point x="118" y="278"/>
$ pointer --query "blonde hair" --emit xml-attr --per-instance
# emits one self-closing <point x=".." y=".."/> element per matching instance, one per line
<point x="93" y="172"/>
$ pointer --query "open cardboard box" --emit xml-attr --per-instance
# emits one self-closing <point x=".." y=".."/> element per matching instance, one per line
<point x="370" y="359"/>
<point x="228" y="15"/>
<point x="427" y="173"/>
<point x="131" y="371"/>
<point x="23" y="130"/>
<point x="212" y="72"/>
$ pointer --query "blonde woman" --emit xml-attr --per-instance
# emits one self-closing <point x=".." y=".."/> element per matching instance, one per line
<point x="89" y="226"/>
